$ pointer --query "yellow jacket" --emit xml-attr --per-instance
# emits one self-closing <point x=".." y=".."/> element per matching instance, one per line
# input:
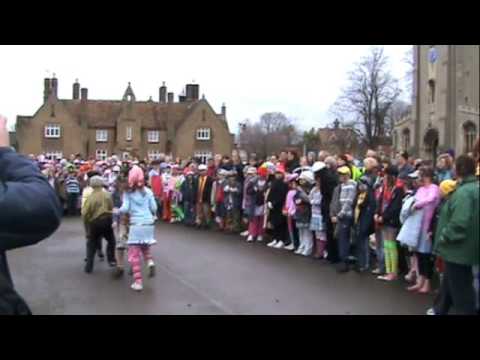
<point x="97" y="204"/>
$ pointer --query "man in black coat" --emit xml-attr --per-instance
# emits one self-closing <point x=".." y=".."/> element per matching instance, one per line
<point x="328" y="180"/>
<point x="29" y="212"/>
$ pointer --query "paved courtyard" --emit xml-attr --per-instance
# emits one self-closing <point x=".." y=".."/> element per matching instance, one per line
<point x="200" y="272"/>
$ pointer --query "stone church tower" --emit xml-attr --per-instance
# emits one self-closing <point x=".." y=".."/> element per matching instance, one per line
<point x="445" y="111"/>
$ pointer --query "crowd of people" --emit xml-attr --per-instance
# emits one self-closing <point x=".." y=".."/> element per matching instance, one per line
<point x="399" y="218"/>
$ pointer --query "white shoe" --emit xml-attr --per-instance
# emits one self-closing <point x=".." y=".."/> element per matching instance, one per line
<point x="260" y="238"/>
<point x="289" y="247"/>
<point x="137" y="286"/>
<point x="279" y="245"/>
<point x="250" y="238"/>
<point x="299" y="251"/>
<point x="272" y="243"/>
<point x="244" y="234"/>
<point x="431" y="311"/>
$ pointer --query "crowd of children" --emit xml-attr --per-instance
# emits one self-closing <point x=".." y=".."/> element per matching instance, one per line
<point x="393" y="217"/>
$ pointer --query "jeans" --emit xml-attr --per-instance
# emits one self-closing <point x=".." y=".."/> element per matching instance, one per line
<point x="72" y="202"/>
<point x="363" y="251"/>
<point x="306" y="240"/>
<point x="343" y="231"/>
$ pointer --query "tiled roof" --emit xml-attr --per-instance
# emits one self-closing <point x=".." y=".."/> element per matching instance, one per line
<point x="151" y="114"/>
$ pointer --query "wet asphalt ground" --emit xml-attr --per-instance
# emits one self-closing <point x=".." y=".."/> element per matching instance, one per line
<point x="200" y="272"/>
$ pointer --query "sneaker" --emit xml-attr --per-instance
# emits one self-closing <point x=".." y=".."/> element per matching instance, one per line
<point x="250" y="238"/>
<point x="137" y="286"/>
<point x="260" y="238"/>
<point x="289" y="247"/>
<point x="112" y="263"/>
<point x="299" y="251"/>
<point x="376" y="272"/>
<point x="272" y="243"/>
<point x="388" y="277"/>
<point x="431" y="311"/>
<point x="306" y="253"/>
<point x="279" y="245"/>
<point x="244" y="234"/>
<point x="151" y="268"/>
<point x="101" y="256"/>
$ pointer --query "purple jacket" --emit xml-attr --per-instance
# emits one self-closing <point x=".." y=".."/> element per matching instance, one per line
<point x="427" y="198"/>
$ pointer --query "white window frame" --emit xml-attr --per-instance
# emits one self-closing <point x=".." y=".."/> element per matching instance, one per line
<point x="129" y="134"/>
<point x="153" y="154"/>
<point x="204" y="134"/>
<point x="52" y="131"/>
<point x="204" y="155"/>
<point x="101" y="135"/>
<point x="57" y="155"/>
<point x="101" y="154"/>
<point x="153" y="136"/>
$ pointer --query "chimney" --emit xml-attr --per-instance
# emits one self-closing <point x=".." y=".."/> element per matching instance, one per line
<point x="54" y="85"/>
<point x="192" y="92"/>
<point x="76" y="90"/>
<point x="224" y="110"/>
<point x="170" y="97"/>
<point x="84" y="94"/>
<point x="46" y="89"/>
<point x="163" y="94"/>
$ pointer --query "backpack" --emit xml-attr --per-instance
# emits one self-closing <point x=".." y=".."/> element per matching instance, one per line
<point x="10" y="302"/>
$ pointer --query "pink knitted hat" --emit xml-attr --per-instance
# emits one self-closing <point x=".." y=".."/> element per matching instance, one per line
<point x="136" y="178"/>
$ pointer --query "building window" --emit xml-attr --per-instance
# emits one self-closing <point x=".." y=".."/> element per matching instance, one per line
<point x="129" y="135"/>
<point x="203" y="156"/>
<point x="102" y="135"/>
<point x="101" y="154"/>
<point x="406" y="139"/>
<point x="431" y="91"/>
<point x="54" y="155"/>
<point x="52" y="131"/>
<point x="203" y="134"/>
<point x="470" y="135"/>
<point x="153" y="136"/>
<point x="153" y="154"/>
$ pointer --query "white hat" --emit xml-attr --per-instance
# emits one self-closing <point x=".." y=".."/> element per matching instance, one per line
<point x="307" y="176"/>
<point x="414" y="175"/>
<point x="317" y="166"/>
<point x="221" y="172"/>
<point x="252" y="170"/>
<point x="116" y="168"/>
<point x="202" y="167"/>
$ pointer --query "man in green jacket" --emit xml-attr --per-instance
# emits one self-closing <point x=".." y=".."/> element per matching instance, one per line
<point x="457" y="242"/>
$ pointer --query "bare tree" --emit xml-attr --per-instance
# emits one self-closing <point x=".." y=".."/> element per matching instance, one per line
<point x="366" y="101"/>
<point x="271" y="134"/>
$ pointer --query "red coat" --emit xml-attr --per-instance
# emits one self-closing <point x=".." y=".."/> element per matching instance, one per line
<point x="157" y="186"/>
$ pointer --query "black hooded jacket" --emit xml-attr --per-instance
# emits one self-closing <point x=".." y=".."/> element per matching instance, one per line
<point x="29" y="208"/>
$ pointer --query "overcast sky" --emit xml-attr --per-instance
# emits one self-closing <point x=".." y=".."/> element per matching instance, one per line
<point x="300" y="81"/>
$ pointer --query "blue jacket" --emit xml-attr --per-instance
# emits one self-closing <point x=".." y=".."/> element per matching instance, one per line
<point x="141" y="206"/>
<point x="29" y="208"/>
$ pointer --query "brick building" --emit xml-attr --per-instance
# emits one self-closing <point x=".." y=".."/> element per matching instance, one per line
<point x="126" y="127"/>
